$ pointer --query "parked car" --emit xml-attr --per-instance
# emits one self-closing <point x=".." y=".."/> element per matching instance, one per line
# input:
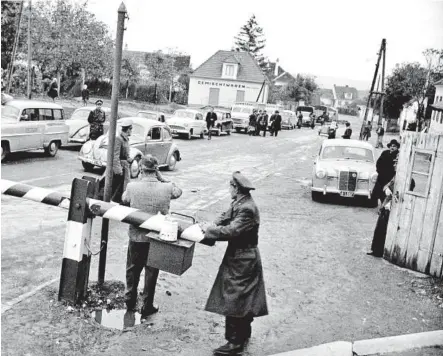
<point x="188" y="123"/>
<point x="148" y="136"/>
<point x="345" y="168"/>
<point x="288" y="119"/>
<point x="150" y="114"/>
<point x="306" y="112"/>
<point x="79" y="125"/>
<point x="327" y="130"/>
<point x="30" y="124"/>
<point x="223" y="122"/>
<point x="240" y="113"/>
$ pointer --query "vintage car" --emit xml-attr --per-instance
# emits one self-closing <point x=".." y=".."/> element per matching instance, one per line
<point x="288" y="120"/>
<point x="223" y="122"/>
<point x="30" y="124"/>
<point x="188" y="123"/>
<point x="307" y="119"/>
<point x="240" y="113"/>
<point x="327" y="130"/>
<point x="79" y="126"/>
<point x="345" y="168"/>
<point x="148" y="136"/>
<point x="150" y="114"/>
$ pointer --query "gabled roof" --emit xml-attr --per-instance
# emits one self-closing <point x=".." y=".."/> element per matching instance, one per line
<point x="439" y="82"/>
<point x="326" y="93"/>
<point x="340" y="92"/>
<point x="285" y="76"/>
<point x="231" y="59"/>
<point x="271" y="69"/>
<point x="248" y="69"/>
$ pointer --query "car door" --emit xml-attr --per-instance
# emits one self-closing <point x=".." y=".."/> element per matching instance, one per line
<point x="199" y="123"/>
<point x="31" y="129"/>
<point x="154" y="144"/>
<point x="167" y="142"/>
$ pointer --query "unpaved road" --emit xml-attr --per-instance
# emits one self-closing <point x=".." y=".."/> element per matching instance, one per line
<point x="321" y="286"/>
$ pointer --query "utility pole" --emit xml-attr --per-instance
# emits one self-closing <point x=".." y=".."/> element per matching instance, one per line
<point x="382" y="94"/>
<point x="29" y="50"/>
<point x="122" y="15"/>
<point x="371" y="92"/>
<point x="14" y="49"/>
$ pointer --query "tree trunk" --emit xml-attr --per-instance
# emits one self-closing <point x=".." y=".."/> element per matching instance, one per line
<point x="155" y="93"/>
<point x="58" y="83"/>
<point x="127" y="88"/>
<point x="83" y="75"/>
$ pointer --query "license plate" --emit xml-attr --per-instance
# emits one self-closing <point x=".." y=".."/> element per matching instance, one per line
<point x="346" y="194"/>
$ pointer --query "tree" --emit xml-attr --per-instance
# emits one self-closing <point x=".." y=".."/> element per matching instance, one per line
<point x="66" y="37"/>
<point x="10" y="13"/>
<point x="251" y="39"/>
<point x="412" y="81"/>
<point x="302" y="87"/>
<point x="129" y="73"/>
<point x="161" y="70"/>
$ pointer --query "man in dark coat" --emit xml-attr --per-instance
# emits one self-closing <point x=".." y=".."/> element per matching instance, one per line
<point x="386" y="168"/>
<point x="259" y="123"/>
<point x="53" y="89"/>
<point x="348" y="131"/>
<point x="211" y="117"/>
<point x="85" y="95"/>
<point x="96" y="120"/>
<point x="252" y="123"/>
<point x="275" y="123"/>
<point x="238" y="292"/>
<point x="264" y="122"/>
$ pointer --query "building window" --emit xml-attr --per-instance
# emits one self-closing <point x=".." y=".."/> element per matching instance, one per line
<point x="348" y="96"/>
<point x="229" y="70"/>
<point x="420" y="175"/>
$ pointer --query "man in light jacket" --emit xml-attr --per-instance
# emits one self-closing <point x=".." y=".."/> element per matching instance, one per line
<point x="151" y="195"/>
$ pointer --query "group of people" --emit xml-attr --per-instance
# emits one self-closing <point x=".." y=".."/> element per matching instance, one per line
<point x="259" y="121"/>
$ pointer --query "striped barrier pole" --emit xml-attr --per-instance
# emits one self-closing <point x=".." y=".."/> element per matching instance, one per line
<point x="76" y="253"/>
<point x="110" y="211"/>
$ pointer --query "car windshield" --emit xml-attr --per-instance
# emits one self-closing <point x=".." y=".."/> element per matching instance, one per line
<point x="185" y="114"/>
<point x="9" y="114"/>
<point x="305" y="109"/>
<point x="347" y="153"/>
<point x="147" y="115"/>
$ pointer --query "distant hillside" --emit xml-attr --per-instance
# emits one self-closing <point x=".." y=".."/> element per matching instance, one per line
<point x="328" y="82"/>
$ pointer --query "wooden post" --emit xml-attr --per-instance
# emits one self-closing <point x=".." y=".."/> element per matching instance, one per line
<point x="112" y="132"/>
<point x="380" y="117"/>
<point x="29" y="89"/>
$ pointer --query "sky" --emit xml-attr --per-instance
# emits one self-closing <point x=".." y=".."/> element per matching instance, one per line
<point x="334" y="38"/>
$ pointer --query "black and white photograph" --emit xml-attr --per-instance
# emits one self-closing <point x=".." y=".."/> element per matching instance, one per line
<point x="196" y="178"/>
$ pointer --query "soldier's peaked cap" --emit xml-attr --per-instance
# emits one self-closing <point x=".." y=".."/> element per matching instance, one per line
<point x="241" y="181"/>
<point x="99" y="101"/>
<point x="126" y="122"/>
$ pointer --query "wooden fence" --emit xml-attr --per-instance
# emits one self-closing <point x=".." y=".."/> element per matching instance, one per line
<point x="415" y="231"/>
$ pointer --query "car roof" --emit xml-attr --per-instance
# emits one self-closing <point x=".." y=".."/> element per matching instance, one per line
<point x="347" y="143"/>
<point x="90" y="108"/>
<point x="144" y="122"/>
<point x="32" y="104"/>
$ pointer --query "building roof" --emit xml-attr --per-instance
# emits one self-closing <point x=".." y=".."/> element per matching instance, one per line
<point x="340" y="92"/>
<point x="248" y="69"/>
<point x="438" y="106"/>
<point x="439" y="82"/>
<point x="285" y="76"/>
<point x="326" y="93"/>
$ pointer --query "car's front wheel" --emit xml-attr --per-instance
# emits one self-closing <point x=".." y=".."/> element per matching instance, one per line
<point x="172" y="161"/>
<point x="237" y="129"/>
<point x="88" y="167"/>
<point x="5" y="150"/>
<point x="52" y="148"/>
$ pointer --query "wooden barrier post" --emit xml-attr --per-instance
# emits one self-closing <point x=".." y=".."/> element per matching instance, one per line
<point x="76" y="254"/>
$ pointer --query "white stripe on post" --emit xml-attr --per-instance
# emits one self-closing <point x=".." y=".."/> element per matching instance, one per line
<point x="37" y="194"/>
<point x="73" y="249"/>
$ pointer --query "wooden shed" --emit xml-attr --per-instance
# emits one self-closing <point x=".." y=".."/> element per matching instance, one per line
<point x="415" y="231"/>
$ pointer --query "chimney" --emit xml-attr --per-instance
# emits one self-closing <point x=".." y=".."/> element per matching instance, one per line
<point x="276" y="68"/>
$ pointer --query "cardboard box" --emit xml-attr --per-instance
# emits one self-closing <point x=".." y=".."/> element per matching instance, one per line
<point x="173" y="257"/>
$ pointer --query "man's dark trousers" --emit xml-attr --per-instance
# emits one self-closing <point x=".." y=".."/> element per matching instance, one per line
<point x="117" y="187"/>
<point x="135" y="262"/>
<point x="238" y="330"/>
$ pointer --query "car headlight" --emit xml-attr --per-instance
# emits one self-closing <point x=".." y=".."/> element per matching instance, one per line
<point x="83" y="132"/>
<point x="374" y="177"/>
<point x="320" y="174"/>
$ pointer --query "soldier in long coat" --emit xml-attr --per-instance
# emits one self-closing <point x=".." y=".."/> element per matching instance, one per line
<point x="238" y="292"/>
<point x="96" y="120"/>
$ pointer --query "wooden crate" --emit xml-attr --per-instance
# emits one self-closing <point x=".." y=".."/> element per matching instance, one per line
<point x="173" y="257"/>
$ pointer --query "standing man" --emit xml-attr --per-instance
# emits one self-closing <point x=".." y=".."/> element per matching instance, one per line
<point x="96" y="120"/>
<point x="348" y="131"/>
<point x="252" y="122"/>
<point x="121" y="161"/>
<point x="238" y="292"/>
<point x="259" y="123"/>
<point x="380" y="133"/>
<point x="85" y="95"/>
<point x="53" y="89"/>
<point x="150" y="195"/>
<point x="211" y="117"/>
<point x="386" y="168"/>
<point x="264" y="122"/>
<point x="275" y="123"/>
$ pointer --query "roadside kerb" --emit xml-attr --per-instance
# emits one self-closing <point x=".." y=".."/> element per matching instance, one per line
<point x="379" y="346"/>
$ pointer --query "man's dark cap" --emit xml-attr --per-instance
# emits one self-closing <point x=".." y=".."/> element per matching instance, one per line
<point x="99" y="101"/>
<point x="241" y="181"/>
<point x="393" y="142"/>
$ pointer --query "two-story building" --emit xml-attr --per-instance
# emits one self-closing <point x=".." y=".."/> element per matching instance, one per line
<point x="343" y="96"/>
<point x="228" y="77"/>
<point x="436" y="125"/>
